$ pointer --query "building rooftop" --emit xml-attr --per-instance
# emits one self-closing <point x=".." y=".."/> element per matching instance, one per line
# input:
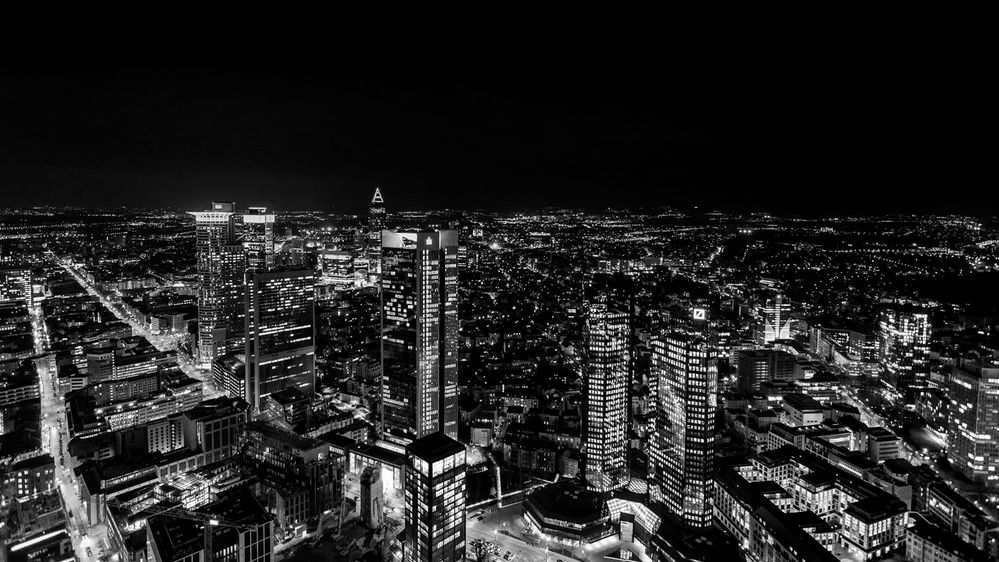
<point x="217" y="407"/>
<point x="923" y="528"/>
<point x="176" y="538"/>
<point x="434" y="446"/>
<point x="802" y="402"/>
<point x="692" y="544"/>
<point x="569" y="500"/>
<point x="875" y="509"/>
<point x="287" y="396"/>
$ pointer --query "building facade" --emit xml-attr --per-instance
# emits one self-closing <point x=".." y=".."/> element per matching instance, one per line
<point x="280" y="347"/>
<point x="376" y="223"/>
<point x="258" y="238"/>
<point x="606" y="382"/>
<point x="776" y="317"/>
<point x="973" y="429"/>
<point x="904" y="346"/>
<point x="681" y="458"/>
<point x="419" y="325"/>
<point x="435" y="500"/>
<point x="221" y="263"/>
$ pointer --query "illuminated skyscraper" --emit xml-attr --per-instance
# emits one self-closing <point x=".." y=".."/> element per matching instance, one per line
<point x="682" y="451"/>
<point x="419" y="303"/>
<point x="221" y="265"/>
<point x="258" y="238"/>
<point x="435" y="500"/>
<point x="376" y="223"/>
<point x="973" y="429"/>
<point x="776" y="317"/>
<point x="605" y="441"/>
<point x="280" y="333"/>
<point x="904" y="347"/>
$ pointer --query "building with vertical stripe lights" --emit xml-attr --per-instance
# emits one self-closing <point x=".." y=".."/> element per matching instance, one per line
<point x="419" y="325"/>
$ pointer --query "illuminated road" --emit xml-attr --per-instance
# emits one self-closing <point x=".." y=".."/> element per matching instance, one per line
<point x="507" y="518"/>
<point x="55" y="441"/>
<point x="917" y="457"/>
<point x="160" y="342"/>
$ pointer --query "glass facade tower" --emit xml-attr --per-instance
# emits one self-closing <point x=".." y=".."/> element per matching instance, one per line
<point x="435" y="500"/>
<point x="681" y="459"/>
<point x="221" y="264"/>
<point x="606" y="440"/>
<point x="280" y="333"/>
<point x="904" y="347"/>
<point x="258" y="238"/>
<point x="419" y="324"/>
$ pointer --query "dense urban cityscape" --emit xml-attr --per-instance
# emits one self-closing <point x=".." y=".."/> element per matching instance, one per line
<point x="238" y="382"/>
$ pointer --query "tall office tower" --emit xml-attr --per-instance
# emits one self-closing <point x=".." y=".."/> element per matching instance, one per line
<point x="258" y="238"/>
<point x="221" y="265"/>
<point x="682" y="451"/>
<point x="376" y="223"/>
<point x="280" y="333"/>
<point x="419" y="302"/>
<point x="973" y="428"/>
<point x="435" y="500"/>
<point x="904" y="347"/>
<point x="776" y="317"/>
<point x="605" y="442"/>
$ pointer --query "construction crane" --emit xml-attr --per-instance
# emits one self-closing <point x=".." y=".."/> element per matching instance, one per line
<point x="208" y="520"/>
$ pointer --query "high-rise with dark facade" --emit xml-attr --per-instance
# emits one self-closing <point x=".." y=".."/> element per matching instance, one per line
<point x="258" y="238"/>
<point x="681" y="458"/>
<point x="435" y="500"/>
<point x="280" y="332"/>
<point x="605" y="442"/>
<point x="419" y="325"/>
<point x="221" y="266"/>
<point x="376" y="223"/>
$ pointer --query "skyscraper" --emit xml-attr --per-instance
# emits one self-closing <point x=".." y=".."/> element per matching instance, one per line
<point x="973" y="428"/>
<point x="376" y="223"/>
<point x="776" y="317"/>
<point x="258" y="238"/>
<point x="221" y="264"/>
<point x="419" y="304"/>
<point x="606" y="381"/>
<point x="435" y="500"/>
<point x="904" y="346"/>
<point x="280" y="332"/>
<point x="682" y="451"/>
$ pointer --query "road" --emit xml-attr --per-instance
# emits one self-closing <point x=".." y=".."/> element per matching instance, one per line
<point x="507" y="518"/>
<point x="161" y="342"/>
<point x="55" y="441"/>
<point x="874" y="420"/>
<point x="933" y="443"/>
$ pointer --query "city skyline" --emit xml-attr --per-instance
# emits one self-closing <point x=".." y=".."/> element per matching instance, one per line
<point x="297" y="302"/>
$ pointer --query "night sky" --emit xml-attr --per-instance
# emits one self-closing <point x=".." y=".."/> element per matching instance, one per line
<point x="306" y="126"/>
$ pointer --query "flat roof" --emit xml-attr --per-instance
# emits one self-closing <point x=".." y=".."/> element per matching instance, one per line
<point x="434" y="446"/>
